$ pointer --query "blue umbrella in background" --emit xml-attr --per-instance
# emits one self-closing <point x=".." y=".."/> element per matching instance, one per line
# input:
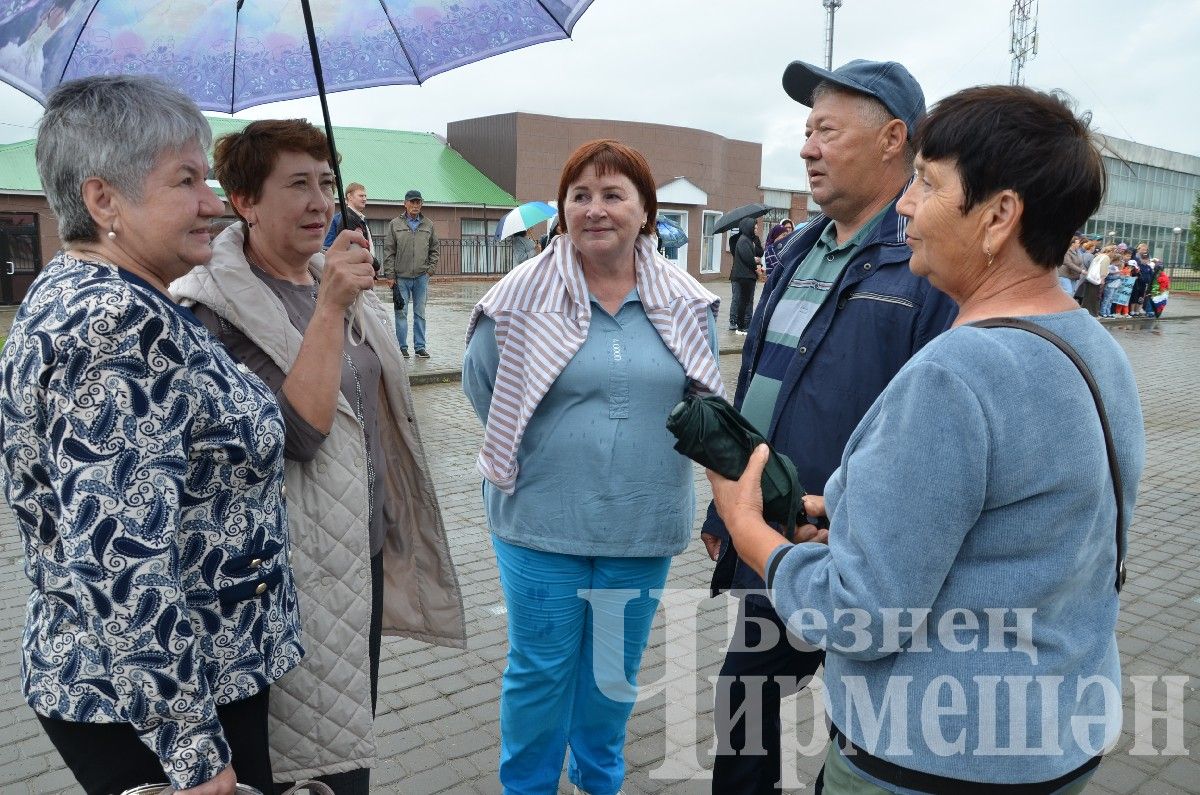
<point x="521" y="218"/>
<point x="670" y="234"/>
<point x="228" y="56"/>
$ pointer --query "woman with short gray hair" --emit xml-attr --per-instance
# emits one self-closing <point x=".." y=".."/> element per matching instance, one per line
<point x="144" y="466"/>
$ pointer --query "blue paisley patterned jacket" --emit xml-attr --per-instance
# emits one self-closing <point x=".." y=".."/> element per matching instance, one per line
<point x="145" y="469"/>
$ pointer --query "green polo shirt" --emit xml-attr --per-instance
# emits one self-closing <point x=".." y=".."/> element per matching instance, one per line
<point x="810" y="286"/>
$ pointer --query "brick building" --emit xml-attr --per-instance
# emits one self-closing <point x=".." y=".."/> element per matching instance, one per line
<point x="699" y="174"/>
<point x="469" y="180"/>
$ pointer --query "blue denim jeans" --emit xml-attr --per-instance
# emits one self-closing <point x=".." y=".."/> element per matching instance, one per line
<point x="413" y="292"/>
<point x="573" y="661"/>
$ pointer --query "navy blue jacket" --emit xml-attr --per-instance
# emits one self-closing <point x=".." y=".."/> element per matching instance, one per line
<point x="878" y="315"/>
<point x="335" y="227"/>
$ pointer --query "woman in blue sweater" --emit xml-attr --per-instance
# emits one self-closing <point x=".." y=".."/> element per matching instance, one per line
<point x="970" y="580"/>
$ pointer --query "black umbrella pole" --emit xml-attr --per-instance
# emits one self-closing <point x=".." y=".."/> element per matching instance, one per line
<point x="316" y="59"/>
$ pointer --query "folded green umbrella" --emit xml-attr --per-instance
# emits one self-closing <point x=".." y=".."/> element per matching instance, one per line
<point x="715" y="435"/>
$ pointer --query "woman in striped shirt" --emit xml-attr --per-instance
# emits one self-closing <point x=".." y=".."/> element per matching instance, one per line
<point x="573" y="362"/>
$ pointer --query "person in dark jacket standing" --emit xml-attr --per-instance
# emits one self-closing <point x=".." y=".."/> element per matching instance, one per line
<point x="1145" y="278"/>
<point x="841" y="314"/>
<point x="744" y="275"/>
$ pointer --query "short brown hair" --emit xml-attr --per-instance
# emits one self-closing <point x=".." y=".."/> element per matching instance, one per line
<point x="353" y="186"/>
<point x="610" y="157"/>
<point x="1030" y="142"/>
<point x="243" y="160"/>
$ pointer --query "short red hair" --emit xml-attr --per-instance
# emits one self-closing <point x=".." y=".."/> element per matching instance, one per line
<point x="610" y="157"/>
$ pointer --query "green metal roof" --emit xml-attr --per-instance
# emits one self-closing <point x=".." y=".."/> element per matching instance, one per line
<point x="18" y="170"/>
<point x="388" y="162"/>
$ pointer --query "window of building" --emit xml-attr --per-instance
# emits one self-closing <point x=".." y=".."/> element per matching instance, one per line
<point x="678" y="256"/>
<point x="478" y="249"/>
<point x="710" y="244"/>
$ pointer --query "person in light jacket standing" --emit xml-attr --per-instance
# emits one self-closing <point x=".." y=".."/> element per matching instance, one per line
<point x="370" y="550"/>
<point x="410" y="256"/>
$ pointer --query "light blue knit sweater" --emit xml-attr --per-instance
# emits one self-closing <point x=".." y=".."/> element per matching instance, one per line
<point x="977" y="481"/>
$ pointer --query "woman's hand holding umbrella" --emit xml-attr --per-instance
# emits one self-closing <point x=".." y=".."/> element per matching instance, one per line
<point x="348" y="271"/>
<point x="740" y="505"/>
<point x="348" y="274"/>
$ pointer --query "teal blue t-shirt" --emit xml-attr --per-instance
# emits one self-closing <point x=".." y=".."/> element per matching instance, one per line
<point x="598" y="473"/>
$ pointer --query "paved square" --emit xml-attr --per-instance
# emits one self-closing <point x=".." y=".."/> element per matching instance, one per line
<point x="438" y="724"/>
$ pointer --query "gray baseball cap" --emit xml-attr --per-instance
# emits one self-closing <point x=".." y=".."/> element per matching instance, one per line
<point x="886" y="81"/>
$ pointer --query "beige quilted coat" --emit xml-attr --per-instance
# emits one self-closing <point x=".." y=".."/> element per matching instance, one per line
<point x="321" y="719"/>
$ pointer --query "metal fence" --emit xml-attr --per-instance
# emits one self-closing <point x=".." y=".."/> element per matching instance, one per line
<point x="474" y="256"/>
<point x="1184" y="278"/>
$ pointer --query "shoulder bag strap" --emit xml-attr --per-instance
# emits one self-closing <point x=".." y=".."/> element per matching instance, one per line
<point x="1110" y="446"/>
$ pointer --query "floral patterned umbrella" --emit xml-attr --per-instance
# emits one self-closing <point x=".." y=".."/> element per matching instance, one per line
<point x="229" y="55"/>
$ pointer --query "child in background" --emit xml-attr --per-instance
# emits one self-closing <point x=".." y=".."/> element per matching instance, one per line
<point x="1160" y="289"/>
<point x="1112" y="282"/>
<point x="1124" y="292"/>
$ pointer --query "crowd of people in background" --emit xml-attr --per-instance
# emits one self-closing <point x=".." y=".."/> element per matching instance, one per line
<point x="1116" y="281"/>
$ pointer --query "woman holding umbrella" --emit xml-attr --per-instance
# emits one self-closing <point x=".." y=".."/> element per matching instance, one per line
<point x="573" y="363"/>
<point x="370" y="548"/>
<point x="145" y="467"/>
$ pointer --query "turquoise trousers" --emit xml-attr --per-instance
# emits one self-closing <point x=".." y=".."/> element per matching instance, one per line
<point x="577" y="627"/>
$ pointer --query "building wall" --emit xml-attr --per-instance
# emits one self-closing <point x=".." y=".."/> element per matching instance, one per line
<point x="447" y="221"/>
<point x="1150" y="192"/>
<point x="727" y="170"/>
<point x="489" y="144"/>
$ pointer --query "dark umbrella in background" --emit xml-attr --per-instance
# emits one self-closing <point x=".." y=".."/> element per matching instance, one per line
<point x="230" y="56"/>
<point x="731" y="219"/>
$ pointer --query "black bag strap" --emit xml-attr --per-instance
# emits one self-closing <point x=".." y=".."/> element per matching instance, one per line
<point x="1110" y="446"/>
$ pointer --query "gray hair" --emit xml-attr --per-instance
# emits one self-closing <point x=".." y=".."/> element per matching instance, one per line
<point x="871" y="111"/>
<point x="113" y="128"/>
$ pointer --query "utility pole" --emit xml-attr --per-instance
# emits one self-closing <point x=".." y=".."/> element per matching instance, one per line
<point x="831" y="7"/>
<point x="1023" y="24"/>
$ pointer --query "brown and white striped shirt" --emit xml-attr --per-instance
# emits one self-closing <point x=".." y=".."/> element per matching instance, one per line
<point x="542" y="311"/>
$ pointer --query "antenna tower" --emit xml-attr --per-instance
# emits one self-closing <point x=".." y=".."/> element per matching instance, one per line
<point x="831" y="7"/>
<point x="1023" y="24"/>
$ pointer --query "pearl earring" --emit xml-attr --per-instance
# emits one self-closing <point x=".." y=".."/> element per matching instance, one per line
<point x="112" y="234"/>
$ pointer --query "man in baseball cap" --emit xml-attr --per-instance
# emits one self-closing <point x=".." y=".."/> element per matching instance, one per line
<point x="839" y="316"/>
<point x="410" y="257"/>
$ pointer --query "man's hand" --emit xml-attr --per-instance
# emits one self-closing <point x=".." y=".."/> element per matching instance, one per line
<point x="712" y="544"/>
<point x="224" y="783"/>
<point x="814" y="505"/>
<point x="810" y="532"/>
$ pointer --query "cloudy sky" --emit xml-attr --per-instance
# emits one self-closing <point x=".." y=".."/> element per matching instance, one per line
<point x="716" y="65"/>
